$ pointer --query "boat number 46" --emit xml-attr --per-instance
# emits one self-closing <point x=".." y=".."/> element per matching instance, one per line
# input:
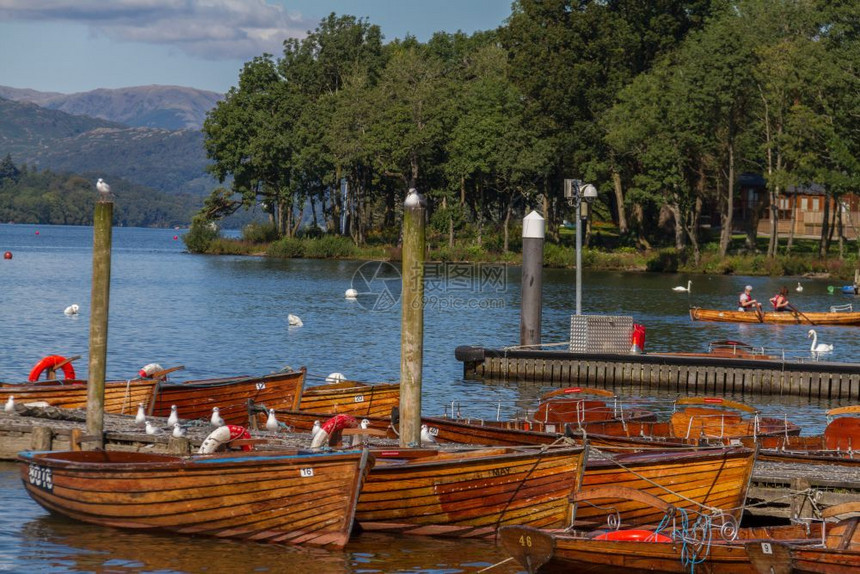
<point x="40" y="477"/>
<point x="526" y="541"/>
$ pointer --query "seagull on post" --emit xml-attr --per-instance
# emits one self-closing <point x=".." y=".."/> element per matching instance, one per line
<point x="103" y="189"/>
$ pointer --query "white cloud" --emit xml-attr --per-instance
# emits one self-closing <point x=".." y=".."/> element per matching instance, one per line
<point x="211" y="29"/>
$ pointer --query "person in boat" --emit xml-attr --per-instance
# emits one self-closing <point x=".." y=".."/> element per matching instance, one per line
<point x="746" y="301"/>
<point x="780" y="300"/>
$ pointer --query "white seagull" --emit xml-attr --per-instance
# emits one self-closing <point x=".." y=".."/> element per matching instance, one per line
<point x="71" y="309"/>
<point x="103" y="188"/>
<point x="152" y="429"/>
<point x="216" y="419"/>
<point x="799" y="287"/>
<point x="364" y="423"/>
<point x="10" y="405"/>
<point x="140" y="418"/>
<point x="426" y="436"/>
<point x="178" y="431"/>
<point x="681" y="289"/>
<point x="272" y="421"/>
<point x="174" y="416"/>
<point x="818" y="348"/>
<point x="294" y="320"/>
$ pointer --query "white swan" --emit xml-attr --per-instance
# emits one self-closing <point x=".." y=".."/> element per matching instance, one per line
<point x="817" y="347"/>
<point x="71" y="309"/>
<point x="799" y="287"/>
<point x="681" y="289"/>
<point x="294" y="320"/>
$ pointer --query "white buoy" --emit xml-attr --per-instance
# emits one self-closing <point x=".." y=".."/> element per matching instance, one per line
<point x="216" y="419"/>
<point x="140" y="418"/>
<point x="294" y="320"/>
<point x="316" y="428"/>
<point x="152" y="429"/>
<point x="426" y="436"/>
<point x="71" y="309"/>
<point x="174" y="416"/>
<point x="335" y="378"/>
<point x="10" y="405"/>
<point x="178" y="431"/>
<point x="272" y="422"/>
<point x="351" y="293"/>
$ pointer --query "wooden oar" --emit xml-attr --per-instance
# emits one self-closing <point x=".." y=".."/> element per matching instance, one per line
<point x="759" y="314"/>
<point x="797" y="312"/>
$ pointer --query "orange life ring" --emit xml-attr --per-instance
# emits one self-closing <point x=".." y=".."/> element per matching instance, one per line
<point x="633" y="536"/>
<point x="50" y="362"/>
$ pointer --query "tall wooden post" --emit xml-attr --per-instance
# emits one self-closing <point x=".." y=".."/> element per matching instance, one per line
<point x="100" y="302"/>
<point x="412" y="322"/>
<point x="532" y="281"/>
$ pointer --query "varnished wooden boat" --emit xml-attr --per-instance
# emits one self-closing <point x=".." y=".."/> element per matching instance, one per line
<point x="837" y="551"/>
<point x="121" y="397"/>
<point x="702" y="421"/>
<point x="351" y="398"/>
<point x="284" y="497"/>
<point x="469" y="492"/>
<point x="689" y="480"/>
<point x="670" y="547"/>
<point x="838" y="444"/>
<point x="849" y="318"/>
<point x="575" y="405"/>
<point x="195" y="399"/>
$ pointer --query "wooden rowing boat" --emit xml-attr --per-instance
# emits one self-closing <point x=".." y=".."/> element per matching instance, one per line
<point x="849" y="318"/>
<point x="575" y="405"/>
<point x="689" y="480"/>
<point x="351" y="398"/>
<point x="195" y="399"/>
<point x="836" y="551"/>
<point x="121" y="397"/>
<point x="838" y="444"/>
<point x="285" y="497"/>
<point x="469" y="492"/>
<point x="672" y="546"/>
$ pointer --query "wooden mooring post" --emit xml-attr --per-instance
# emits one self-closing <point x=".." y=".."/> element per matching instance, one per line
<point x="100" y="303"/>
<point x="412" y="321"/>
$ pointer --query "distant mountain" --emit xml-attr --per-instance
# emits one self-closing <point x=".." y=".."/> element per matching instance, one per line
<point x="165" y="160"/>
<point x="166" y="107"/>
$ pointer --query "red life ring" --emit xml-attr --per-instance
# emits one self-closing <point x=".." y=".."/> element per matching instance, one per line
<point x="633" y="536"/>
<point x="50" y="362"/>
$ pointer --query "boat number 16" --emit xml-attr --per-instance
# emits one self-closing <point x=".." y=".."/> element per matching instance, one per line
<point x="306" y="472"/>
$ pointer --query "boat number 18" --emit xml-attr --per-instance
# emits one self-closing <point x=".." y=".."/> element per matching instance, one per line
<point x="40" y="477"/>
<point x="306" y="472"/>
<point x="526" y="541"/>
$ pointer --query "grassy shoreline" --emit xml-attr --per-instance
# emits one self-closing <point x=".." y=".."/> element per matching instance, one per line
<point x="804" y="262"/>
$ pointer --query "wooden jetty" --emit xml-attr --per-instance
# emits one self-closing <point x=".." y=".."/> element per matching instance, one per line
<point x="679" y="373"/>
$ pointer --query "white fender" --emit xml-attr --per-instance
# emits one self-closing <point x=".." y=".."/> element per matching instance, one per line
<point x="216" y="438"/>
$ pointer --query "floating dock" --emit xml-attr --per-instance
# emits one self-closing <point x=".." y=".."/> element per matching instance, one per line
<point x="683" y="374"/>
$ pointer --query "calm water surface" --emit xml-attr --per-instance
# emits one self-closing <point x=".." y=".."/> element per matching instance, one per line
<point x="221" y="316"/>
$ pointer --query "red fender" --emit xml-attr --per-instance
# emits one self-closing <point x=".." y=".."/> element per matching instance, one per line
<point x="633" y="536"/>
<point x="237" y="432"/>
<point x="50" y="362"/>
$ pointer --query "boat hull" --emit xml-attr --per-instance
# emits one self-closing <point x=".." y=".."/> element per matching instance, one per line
<point x="351" y="398"/>
<point x="267" y="497"/>
<point x="120" y="398"/>
<point x="470" y="492"/>
<point x="195" y="399"/>
<point x="781" y="318"/>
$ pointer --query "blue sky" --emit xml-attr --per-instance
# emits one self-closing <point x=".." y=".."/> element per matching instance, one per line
<point x="79" y="45"/>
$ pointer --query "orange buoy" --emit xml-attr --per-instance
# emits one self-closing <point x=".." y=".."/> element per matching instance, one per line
<point x="49" y="363"/>
<point x="7" y="255"/>
<point x="633" y="536"/>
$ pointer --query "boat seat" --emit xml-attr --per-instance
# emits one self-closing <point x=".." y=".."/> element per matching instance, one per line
<point x="843" y="434"/>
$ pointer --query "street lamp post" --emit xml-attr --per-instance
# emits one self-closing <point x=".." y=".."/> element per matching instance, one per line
<point x="575" y="192"/>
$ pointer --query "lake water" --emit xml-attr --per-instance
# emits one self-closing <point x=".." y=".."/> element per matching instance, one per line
<point x="227" y="315"/>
